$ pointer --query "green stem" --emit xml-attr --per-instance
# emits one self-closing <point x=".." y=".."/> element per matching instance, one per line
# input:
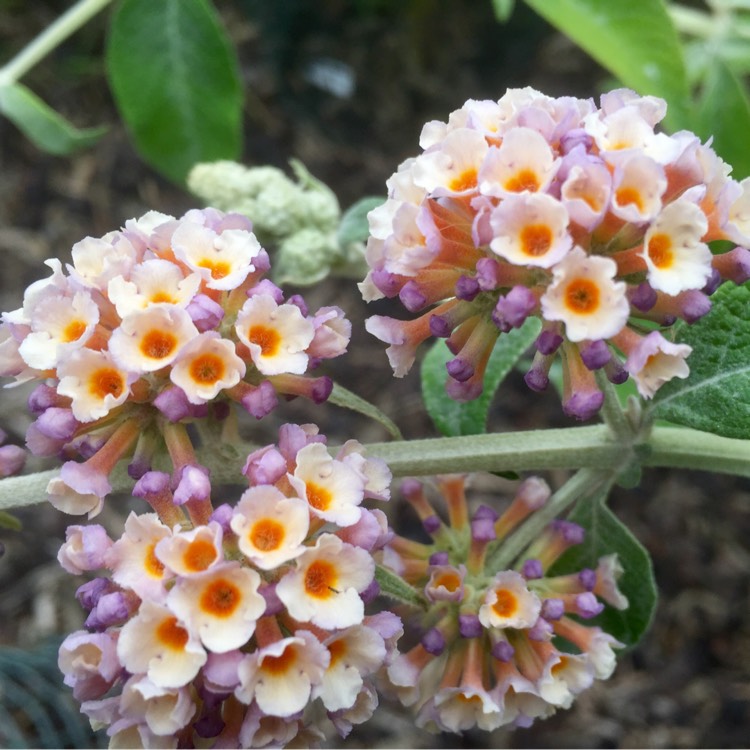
<point x="585" y="483"/>
<point x="51" y="38"/>
<point x="612" y="412"/>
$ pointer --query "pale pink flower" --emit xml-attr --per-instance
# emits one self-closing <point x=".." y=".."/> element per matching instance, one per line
<point x="451" y="167"/>
<point x="192" y="551"/>
<point x="324" y="587"/>
<point x="165" y="711"/>
<point x="276" y="335"/>
<point x="655" y="361"/>
<point x="221" y="605"/>
<point x="270" y="527"/>
<point x="508" y="603"/>
<point x="157" y="644"/>
<point x="280" y="676"/>
<point x="205" y="366"/>
<point x="89" y="662"/>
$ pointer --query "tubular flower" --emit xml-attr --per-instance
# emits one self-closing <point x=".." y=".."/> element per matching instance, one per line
<point x="229" y="631"/>
<point x="493" y="647"/>
<point x="152" y="327"/>
<point x="584" y="217"/>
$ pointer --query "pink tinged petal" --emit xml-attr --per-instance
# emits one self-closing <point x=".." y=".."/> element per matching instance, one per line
<point x="205" y="313"/>
<point x="90" y="664"/>
<point x="265" y="466"/>
<point x="655" y="361"/>
<point x="193" y="483"/>
<point x="85" y="548"/>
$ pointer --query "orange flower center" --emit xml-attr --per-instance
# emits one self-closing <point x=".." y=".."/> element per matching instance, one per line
<point x="106" y="382"/>
<point x="337" y="650"/>
<point x="153" y="565"/>
<point x="319" y="497"/>
<point x="73" y="331"/>
<point x="267" y="535"/>
<point x="321" y="579"/>
<point x="220" y="598"/>
<point x="199" y="554"/>
<point x="660" y="250"/>
<point x="506" y="603"/>
<point x="218" y="268"/>
<point x="524" y="179"/>
<point x="449" y="581"/>
<point x="281" y="663"/>
<point x="582" y="296"/>
<point x="158" y="344"/>
<point x="629" y="196"/>
<point x="536" y="240"/>
<point x="267" y="339"/>
<point x="163" y="297"/>
<point x="207" y="369"/>
<point x="467" y="180"/>
<point x="172" y="635"/>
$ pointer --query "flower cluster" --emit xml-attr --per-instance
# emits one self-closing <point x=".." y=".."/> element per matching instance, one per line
<point x="490" y="651"/>
<point x="249" y="629"/>
<point x="585" y="217"/>
<point x="152" y="327"/>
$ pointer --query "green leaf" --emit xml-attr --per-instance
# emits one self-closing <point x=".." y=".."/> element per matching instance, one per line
<point x="635" y="40"/>
<point x="354" y="226"/>
<point x="503" y="9"/>
<point x="174" y="77"/>
<point x="44" y="127"/>
<point x="7" y="521"/>
<point x="343" y="397"/>
<point x="453" y="418"/>
<point x="392" y="585"/>
<point x="724" y="93"/>
<point x="716" y="395"/>
<point x="606" y="535"/>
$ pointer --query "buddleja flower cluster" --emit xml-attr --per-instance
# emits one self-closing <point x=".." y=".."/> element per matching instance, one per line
<point x="155" y="326"/>
<point x="489" y="650"/>
<point x="245" y="631"/>
<point x="586" y="217"/>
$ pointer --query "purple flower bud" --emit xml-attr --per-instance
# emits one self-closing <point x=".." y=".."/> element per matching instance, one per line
<point x="173" y="403"/>
<point x="548" y="342"/>
<point x="431" y="524"/>
<point x="152" y="484"/>
<point x="532" y="569"/>
<point x="205" y="313"/>
<point x="616" y="372"/>
<point x="411" y="296"/>
<point x="588" y="606"/>
<point x="713" y="282"/>
<point x="459" y="369"/>
<point x="584" y="404"/>
<point x="84" y="480"/>
<point x="595" y="355"/>
<point x="266" y="286"/>
<point x="483" y="529"/>
<point x="265" y="466"/>
<point x="488" y="270"/>
<point x="643" y="297"/>
<point x="439" y="558"/>
<point x="370" y="593"/>
<point x="587" y="577"/>
<point x="440" y="327"/>
<point x="89" y="593"/>
<point x="540" y="631"/>
<point x="388" y="283"/>
<point x="513" y="309"/>
<point x="260" y="401"/>
<point x="553" y="609"/>
<point x="536" y="379"/>
<point x="274" y="605"/>
<point x="434" y="642"/>
<point x="12" y="460"/>
<point x="193" y="484"/>
<point x="571" y="532"/>
<point x="469" y="626"/>
<point x="485" y="511"/>
<point x="734" y="265"/>
<point x="223" y="516"/>
<point x="110" y="609"/>
<point x="467" y="288"/>
<point x="57" y="423"/>
<point x="694" y="305"/>
<point x="573" y="138"/>
<point x="503" y="651"/>
<point x="298" y="301"/>
<point x="533" y="492"/>
<point x="41" y="398"/>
